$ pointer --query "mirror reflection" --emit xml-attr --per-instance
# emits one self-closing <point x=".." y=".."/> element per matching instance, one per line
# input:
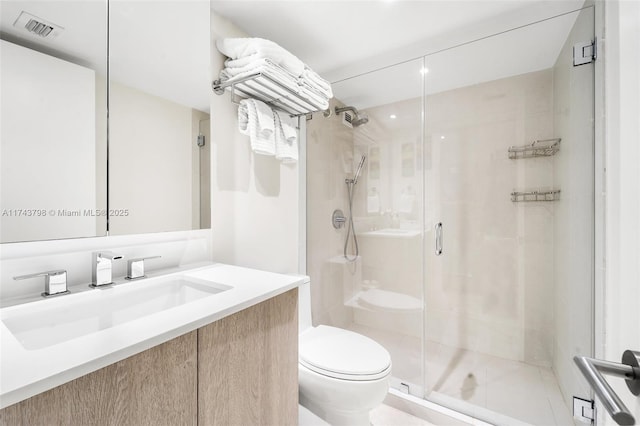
<point x="53" y="113"/>
<point x="60" y="177"/>
<point x="158" y="110"/>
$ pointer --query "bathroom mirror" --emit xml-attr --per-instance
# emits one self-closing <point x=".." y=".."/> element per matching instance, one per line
<point x="61" y="177"/>
<point x="54" y="119"/>
<point x="159" y="116"/>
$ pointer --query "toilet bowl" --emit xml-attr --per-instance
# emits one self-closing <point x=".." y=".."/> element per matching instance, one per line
<point x="342" y="374"/>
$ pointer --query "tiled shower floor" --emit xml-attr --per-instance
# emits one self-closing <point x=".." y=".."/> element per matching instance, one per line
<point x="477" y="384"/>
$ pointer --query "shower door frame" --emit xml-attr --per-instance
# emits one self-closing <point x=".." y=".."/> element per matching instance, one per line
<point x="597" y="284"/>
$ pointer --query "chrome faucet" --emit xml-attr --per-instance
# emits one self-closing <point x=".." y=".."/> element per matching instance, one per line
<point x="55" y="282"/>
<point x="135" y="267"/>
<point x="101" y="270"/>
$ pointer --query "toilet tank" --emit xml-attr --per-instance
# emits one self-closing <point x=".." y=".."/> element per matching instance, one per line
<point x="304" y="305"/>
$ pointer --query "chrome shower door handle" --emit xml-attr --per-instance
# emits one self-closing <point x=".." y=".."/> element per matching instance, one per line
<point x="438" y="230"/>
<point x="629" y="369"/>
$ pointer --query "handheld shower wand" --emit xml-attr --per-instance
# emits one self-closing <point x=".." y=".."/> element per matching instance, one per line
<point x="359" y="169"/>
<point x="351" y="183"/>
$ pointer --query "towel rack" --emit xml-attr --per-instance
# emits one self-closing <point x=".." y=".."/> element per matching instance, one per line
<point x="263" y="87"/>
<point x="539" y="148"/>
<point x="530" y="196"/>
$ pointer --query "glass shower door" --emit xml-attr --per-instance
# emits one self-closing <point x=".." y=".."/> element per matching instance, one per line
<point x="509" y="217"/>
<point x="369" y="279"/>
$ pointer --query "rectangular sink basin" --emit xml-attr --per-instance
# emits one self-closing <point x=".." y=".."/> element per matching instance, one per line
<point x="45" y="323"/>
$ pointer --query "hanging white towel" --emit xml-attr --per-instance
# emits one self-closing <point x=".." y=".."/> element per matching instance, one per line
<point x="286" y="138"/>
<point x="256" y="119"/>
<point x="239" y="48"/>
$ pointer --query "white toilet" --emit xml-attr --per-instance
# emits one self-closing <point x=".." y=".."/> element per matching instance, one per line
<point x="342" y="375"/>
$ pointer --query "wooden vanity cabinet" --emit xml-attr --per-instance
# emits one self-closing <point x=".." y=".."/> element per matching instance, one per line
<point x="240" y="370"/>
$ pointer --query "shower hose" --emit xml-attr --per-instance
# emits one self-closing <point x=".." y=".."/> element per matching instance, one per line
<point x="351" y="231"/>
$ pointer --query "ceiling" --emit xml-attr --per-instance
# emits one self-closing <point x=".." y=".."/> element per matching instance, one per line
<point x="345" y="40"/>
<point x="162" y="47"/>
<point x="331" y="35"/>
<point x="159" y="47"/>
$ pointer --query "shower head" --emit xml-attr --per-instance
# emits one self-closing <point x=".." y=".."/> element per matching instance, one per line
<point x="362" y="119"/>
<point x="360" y="166"/>
<point x="357" y="119"/>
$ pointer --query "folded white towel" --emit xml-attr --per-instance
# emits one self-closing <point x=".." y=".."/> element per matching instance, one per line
<point x="236" y="48"/>
<point x="316" y="81"/>
<point x="320" y="101"/>
<point x="286" y="137"/>
<point x="256" y="119"/>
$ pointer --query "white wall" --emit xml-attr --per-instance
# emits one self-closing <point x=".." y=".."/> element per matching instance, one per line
<point x="48" y="150"/>
<point x="150" y="162"/>
<point x="622" y="132"/>
<point x="254" y="199"/>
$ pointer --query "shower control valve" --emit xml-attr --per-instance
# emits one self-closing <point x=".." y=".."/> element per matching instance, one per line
<point x="338" y="219"/>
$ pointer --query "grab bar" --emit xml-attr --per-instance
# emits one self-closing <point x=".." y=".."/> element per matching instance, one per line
<point x="629" y="370"/>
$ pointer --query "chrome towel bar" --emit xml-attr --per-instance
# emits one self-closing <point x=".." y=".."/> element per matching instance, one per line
<point x="629" y="369"/>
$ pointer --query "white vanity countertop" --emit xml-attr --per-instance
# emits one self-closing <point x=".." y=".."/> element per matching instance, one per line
<point x="25" y="373"/>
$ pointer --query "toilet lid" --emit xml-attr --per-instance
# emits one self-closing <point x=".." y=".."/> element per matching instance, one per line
<point x="343" y="354"/>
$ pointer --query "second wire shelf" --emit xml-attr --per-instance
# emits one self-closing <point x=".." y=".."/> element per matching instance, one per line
<point x="531" y="196"/>
<point x="539" y="148"/>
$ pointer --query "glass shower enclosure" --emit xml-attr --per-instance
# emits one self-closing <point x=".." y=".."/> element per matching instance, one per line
<point x="474" y="219"/>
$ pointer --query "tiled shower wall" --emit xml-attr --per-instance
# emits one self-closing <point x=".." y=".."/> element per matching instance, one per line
<point x="329" y="162"/>
<point x="492" y="290"/>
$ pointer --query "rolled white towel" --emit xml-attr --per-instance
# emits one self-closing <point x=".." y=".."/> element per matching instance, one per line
<point x="236" y="48"/>
<point x="286" y="138"/>
<point x="256" y="119"/>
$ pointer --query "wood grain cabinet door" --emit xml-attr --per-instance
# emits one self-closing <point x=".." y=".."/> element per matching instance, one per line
<point x="258" y="348"/>
<point x="155" y="387"/>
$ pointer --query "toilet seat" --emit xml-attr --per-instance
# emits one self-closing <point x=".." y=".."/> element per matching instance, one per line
<point x="343" y="354"/>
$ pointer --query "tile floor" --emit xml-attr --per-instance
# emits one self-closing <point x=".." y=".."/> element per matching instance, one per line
<point x="475" y="383"/>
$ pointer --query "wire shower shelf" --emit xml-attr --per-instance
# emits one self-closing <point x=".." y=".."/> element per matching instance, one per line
<point x="531" y="196"/>
<point x="539" y="148"/>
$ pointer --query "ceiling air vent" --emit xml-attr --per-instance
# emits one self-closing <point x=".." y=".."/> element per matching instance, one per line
<point x="37" y="26"/>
